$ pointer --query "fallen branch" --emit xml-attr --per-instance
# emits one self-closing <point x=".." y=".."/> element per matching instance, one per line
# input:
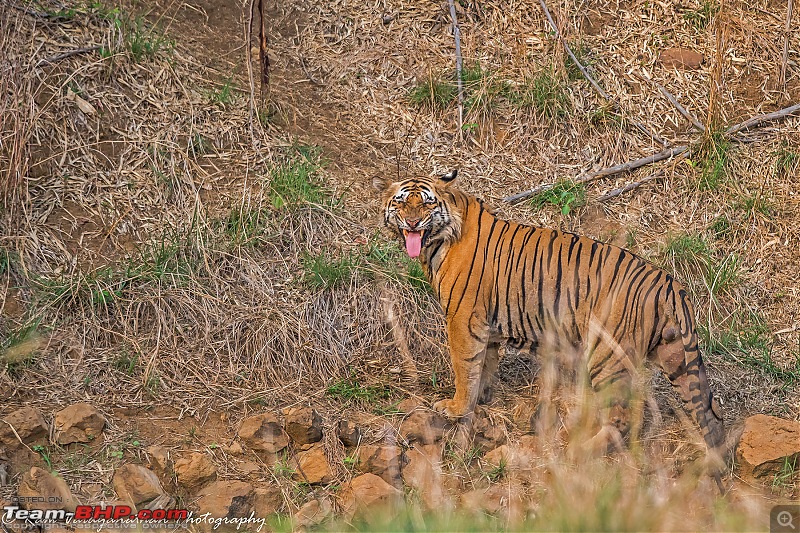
<point x="263" y="56"/>
<point x="629" y="187"/>
<point x="459" y="67"/>
<point x="674" y="101"/>
<point x="660" y="156"/>
<point x="759" y="119"/>
<point x="69" y="53"/>
<point x="589" y="77"/>
<point x="610" y="171"/>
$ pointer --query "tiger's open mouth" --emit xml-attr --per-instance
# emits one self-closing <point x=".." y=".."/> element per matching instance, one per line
<point x="414" y="242"/>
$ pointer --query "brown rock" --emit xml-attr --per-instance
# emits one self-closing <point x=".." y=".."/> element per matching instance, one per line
<point x="383" y="461"/>
<point x="369" y="496"/>
<point x="408" y="405"/>
<point x="488" y="436"/>
<point x="313" y="466"/>
<point x="28" y="423"/>
<point x="263" y="433"/>
<point x="195" y="470"/>
<point x="226" y="499"/>
<point x="39" y="489"/>
<point x="680" y="58"/>
<point x="348" y="433"/>
<point x="767" y="443"/>
<point x="313" y="513"/>
<point x="303" y="424"/>
<point x="136" y="484"/>
<point x="267" y="500"/>
<point x="159" y="459"/>
<point x="80" y="422"/>
<point x="423" y="473"/>
<point x="426" y="427"/>
<point x="497" y="499"/>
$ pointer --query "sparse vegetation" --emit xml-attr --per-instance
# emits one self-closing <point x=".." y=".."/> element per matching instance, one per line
<point x="544" y="92"/>
<point x="691" y="254"/>
<point x="294" y="182"/>
<point x="325" y="271"/>
<point x="142" y="40"/>
<point x="223" y="95"/>
<point x="712" y="162"/>
<point x="566" y="195"/>
<point x="787" y="160"/>
<point x="702" y="16"/>
<point x="349" y="389"/>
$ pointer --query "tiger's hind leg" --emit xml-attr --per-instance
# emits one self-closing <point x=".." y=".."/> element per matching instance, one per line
<point x="490" y="362"/>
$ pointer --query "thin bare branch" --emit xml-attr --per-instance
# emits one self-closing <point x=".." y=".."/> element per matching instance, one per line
<point x="760" y="119"/>
<point x="610" y="171"/>
<point x="674" y="101"/>
<point x="629" y="187"/>
<point x="785" y="57"/>
<point x="69" y="53"/>
<point x="459" y="67"/>
<point x="641" y="127"/>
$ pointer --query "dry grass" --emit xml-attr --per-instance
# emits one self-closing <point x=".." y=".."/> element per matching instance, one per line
<point x="144" y="235"/>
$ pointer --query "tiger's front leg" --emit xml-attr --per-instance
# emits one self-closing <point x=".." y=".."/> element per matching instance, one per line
<point x="467" y="340"/>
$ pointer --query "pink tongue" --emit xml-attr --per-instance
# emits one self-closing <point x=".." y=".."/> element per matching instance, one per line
<point x="413" y="243"/>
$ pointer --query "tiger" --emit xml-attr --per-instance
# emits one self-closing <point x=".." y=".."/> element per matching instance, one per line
<point x="501" y="281"/>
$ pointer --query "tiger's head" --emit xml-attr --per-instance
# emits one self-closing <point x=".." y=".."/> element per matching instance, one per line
<point x="421" y="211"/>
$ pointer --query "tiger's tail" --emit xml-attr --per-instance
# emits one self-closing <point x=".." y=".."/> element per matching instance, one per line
<point x="680" y="358"/>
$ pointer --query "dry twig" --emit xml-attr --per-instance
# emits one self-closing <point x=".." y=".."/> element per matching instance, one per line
<point x="459" y="67"/>
<point x="69" y="53"/>
<point x="785" y="56"/>
<point x="674" y="101"/>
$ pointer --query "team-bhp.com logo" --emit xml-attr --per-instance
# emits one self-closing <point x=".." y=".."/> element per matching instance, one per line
<point x="84" y="513"/>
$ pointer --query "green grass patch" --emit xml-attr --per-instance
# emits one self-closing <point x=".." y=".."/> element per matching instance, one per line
<point x="746" y="339"/>
<point x="565" y="194"/>
<point x="545" y="92"/>
<point x="787" y="160"/>
<point x="481" y="89"/>
<point x="758" y="202"/>
<point x="97" y="289"/>
<point x="712" y="161"/>
<point x="691" y="252"/>
<point x="350" y="390"/>
<point x="295" y="181"/>
<point x="223" y="95"/>
<point x="246" y="227"/>
<point x="721" y="227"/>
<point x="126" y="362"/>
<point x="326" y="271"/>
<point x="582" y="54"/>
<point x="142" y="40"/>
<point x="702" y="16"/>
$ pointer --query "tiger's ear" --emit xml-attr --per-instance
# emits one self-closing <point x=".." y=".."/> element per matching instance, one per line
<point x="449" y="177"/>
<point x="380" y="183"/>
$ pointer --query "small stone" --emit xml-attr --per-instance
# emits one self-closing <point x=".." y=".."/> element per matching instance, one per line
<point x="248" y="467"/>
<point x="226" y="499"/>
<point x="486" y="435"/>
<point x="235" y="448"/>
<point x="136" y="484"/>
<point x="408" y="405"/>
<point x="195" y="470"/>
<point x="303" y="424"/>
<point x="39" y="489"/>
<point x="80" y="422"/>
<point x="313" y="513"/>
<point x="28" y="423"/>
<point x="680" y="58"/>
<point x="383" y="461"/>
<point x="158" y="459"/>
<point x="313" y="467"/>
<point x="267" y="500"/>
<point x="370" y="497"/>
<point x="348" y="433"/>
<point x="263" y="433"/>
<point x="767" y="443"/>
<point x="426" y="427"/>
<point x="423" y="473"/>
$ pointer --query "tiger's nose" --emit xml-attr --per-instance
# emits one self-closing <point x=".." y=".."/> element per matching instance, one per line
<point x="412" y="222"/>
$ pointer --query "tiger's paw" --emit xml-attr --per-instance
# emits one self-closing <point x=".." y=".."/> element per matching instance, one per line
<point x="449" y="408"/>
